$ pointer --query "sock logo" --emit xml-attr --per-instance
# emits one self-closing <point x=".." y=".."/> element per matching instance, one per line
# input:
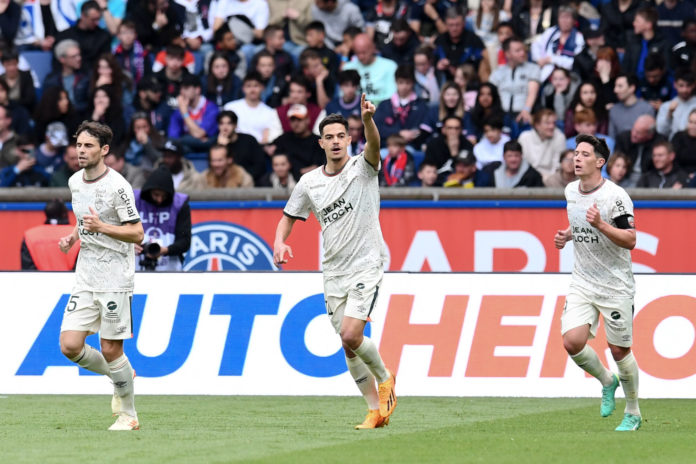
<point x="121" y="384"/>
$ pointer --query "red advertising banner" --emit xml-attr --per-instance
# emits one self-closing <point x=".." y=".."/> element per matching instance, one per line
<point x="466" y="239"/>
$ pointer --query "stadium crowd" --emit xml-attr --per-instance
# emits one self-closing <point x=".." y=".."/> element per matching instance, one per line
<point x="229" y="93"/>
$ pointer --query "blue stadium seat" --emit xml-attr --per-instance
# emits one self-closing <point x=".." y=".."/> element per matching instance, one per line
<point x="40" y="63"/>
<point x="199" y="62"/>
<point x="199" y="160"/>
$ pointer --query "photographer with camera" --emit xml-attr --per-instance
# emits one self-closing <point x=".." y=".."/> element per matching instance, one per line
<point x="166" y="217"/>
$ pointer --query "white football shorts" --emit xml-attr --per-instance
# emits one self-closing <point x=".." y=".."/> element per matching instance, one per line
<point x="108" y="313"/>
<point x="353" y="295"/>
<point x="617" y="313"/>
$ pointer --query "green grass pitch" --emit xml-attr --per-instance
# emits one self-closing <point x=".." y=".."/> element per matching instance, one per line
<point x="250" y="429"/>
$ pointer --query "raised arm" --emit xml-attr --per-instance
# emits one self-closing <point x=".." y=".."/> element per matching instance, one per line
<point x="371" y="133"/>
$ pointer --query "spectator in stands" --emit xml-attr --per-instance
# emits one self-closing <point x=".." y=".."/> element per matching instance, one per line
<point x="542" y="145"/>
<point x="451" y="104"/>
<point x="532" y="17"/>
<point x="129" y="52"/>
<point x="20" y="83"/>
<point x="21" y="120"/>
<point x="664" y="173"/>
<point x="69" y="75"/>
<point x="275" y="87"/>
<point x="108" y="110"/>
<point x="671" y="15"/>
<point x="684" y="52"/>
<point x="157" y="22"/>
<point x="255" y="11"/>
<point x="348" y="100"/>
<point x="485" y="23"/>
<point x="194" y="122"/>
<point x="607" y="69"/>
<point x="584" y="62"/>
<point x="159" y="59"/>
<point x="674" y="114"/>
<point x="221" y="85"/>
<point x="25" y="172"/>
<point x="487" y="106"/>
<point x="296" y="17"/>
<point x="225" y="42"/>
<point x="646" y="40"/>
<point x="10" y="17"/>
<point x="171" y="76"/>
<point x="515" y="171"/>
<point x="8" y="144"/>
<point x="426" y="18"/>
<point x="585" y="122"/>
<point x="398" y="169"/>
<point x="376" y="73"/>
<point x="274" y="39"/>
<point x="315" y="36"/>
<point x="565" y="173"/>
<point x="466" y="79"/>
<point x="586" y="97"/>
<point x="148" y="99"/>
<point x="684" y="143"/>
<point x="183" y="172"/>
<point x="107" y="72"/>
<point x="31" y="251"/>
<point x="656" y="86"/>
<point x="223" y="172"/>
<point x="345" y="49"/>
<point x="427" y="174"/>
<point x="623" y="114"/>
<point x="637" y="144"/>
<point x="443" y="149"/>
<point x="300" y="90"/>
<point x="404" y="113"/>
<point x="323" y="85"/>
<point x="133" y="174"/>
<point x="466" y="175"/>
<point x="93" y="40"/>
<point x="141" y="142"/>
<point x="427" y="84"/>
<point x="460" y="45"/>
<point x="517" y="81"/>
<point x="617" y="20"/>
<point x="403" y="45"/>
<point x="197" y="29"/>
<point x="619" y="168"/>
<point x="69" y="167"/>
<point x="558" y="93"/>
<point x="337" y="15"/>
<point x="357" y="134"/>
<point x="280" y="175"/>
<point x="558" y="45"/>
<point x="259" y="119"/>
<point x="381" y="18"/>
<point x="504" y="31"/>
<point x="49" y="153"/>
<point x="244" y="148"/>
<point x="300" y="144"/>
<point x="489" y="150"/>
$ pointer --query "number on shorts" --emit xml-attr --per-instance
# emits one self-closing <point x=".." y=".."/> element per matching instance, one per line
<point x="72" y="304"/>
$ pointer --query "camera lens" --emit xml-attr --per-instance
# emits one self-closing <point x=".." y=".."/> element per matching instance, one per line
<point x="152" y="248"/>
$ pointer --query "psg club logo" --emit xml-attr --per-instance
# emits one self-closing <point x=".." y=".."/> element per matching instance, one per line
<point x="224" y="246"/>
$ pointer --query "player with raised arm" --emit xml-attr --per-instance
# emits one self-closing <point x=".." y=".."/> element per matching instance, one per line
<point x="344" y="197"/>
<point x="603" y="232"/>
<point x="108" y="225"/>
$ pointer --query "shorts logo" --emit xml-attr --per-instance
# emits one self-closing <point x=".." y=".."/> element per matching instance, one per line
<point x="111" y="307"/>
<point x="615" y="315"/>
<point x="360" y="286"/>
<point x="223" y="246"/>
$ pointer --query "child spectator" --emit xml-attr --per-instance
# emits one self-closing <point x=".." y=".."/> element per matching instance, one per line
<point x="259" y="119"/>
<point x="427" y="174"/>
<point x="489" y="149"/>
<point x="585" y="122"/>
<point x="618" y="168"/>
<point x="397" y="168"/>
<point x="129" y="52"/>
<point x="348" y="102"/>
<point x="315" y="35"/>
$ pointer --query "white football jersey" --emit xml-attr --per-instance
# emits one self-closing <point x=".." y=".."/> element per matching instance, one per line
<point x="346" y="205"/>
<point x="105" y="264"/>
<point x="601" y="267"/>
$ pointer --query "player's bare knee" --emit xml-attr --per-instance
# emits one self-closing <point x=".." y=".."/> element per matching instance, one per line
<point x="573" y="346"/>
<point x="619" y="352"/>
<point x="111" y="349"/>
<point x="351" y="338"/>
<point x="70" y="348"/>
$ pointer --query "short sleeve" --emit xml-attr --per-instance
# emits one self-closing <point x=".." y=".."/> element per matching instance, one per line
<point x="298" y="205"/>
<point x="622" y="205"/>
<point x="365" y="168"/>
<point x="534" y="72"/>
<point x="124" y="203"/>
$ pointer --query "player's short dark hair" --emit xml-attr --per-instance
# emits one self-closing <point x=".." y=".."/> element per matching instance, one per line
<point x="229" y="114"/>
<point x="100" y="131"/>
<point x="598" y="143"/>
<point x="315" y="26"/>
<point x="349" y="76"/>
<point x="405" y="71"/>
<point x="334" y="118"/>
<point x="512" y="145"/>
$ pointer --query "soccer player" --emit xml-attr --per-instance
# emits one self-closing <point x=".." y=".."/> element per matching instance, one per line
<point x="344" y="197"/>
<point x="108" y="225"/>
<point x="600" y="214"/>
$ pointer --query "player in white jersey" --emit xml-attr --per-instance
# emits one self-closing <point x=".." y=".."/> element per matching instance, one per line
<point x="344" y="197"/>
<point x="108" y="225"/>
<point x="603" y="232"/>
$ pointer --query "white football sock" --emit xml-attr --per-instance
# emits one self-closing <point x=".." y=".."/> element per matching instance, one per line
<point x="122" y="376"/>
<point x="364" y="380"/>
<point x="628" y="373"/>
<point x="588" y="361"/>
<point x="367" y="351"/>
<point x="92" y="360"/>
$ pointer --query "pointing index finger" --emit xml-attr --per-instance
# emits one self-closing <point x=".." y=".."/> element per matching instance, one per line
<point x="362" y="100"/>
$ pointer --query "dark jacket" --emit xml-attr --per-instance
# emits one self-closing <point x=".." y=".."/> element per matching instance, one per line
<point x="27" y="92"/>
<point x="248" y="154"/>
<point x="634" y="47"/>
<point x="389" y="123"/>
<point x="657" y="179"/>
<point x="615" y="24"/>
<point x="685" y="150"/>
<point x="80" y="88"/>
<point x="404" y="54"/>
<point x="530" y="178"/>
<point x="144" y="17"/>
<point x="92" y="43"/>
<point x="624" y="145"/>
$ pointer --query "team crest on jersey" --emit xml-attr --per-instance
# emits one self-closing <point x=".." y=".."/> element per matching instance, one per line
<point x="225" y="246"/>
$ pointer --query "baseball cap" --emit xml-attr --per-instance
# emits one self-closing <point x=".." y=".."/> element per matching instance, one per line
<point x="171" y="145"/>
<point x="57" y="134"/>
<point x="297" y="111"/>
<point x="465" y="157"/>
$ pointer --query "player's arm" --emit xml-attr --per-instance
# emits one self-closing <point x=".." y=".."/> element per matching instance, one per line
<point x="280" y="248"/>
<point x="562" y="237"/>
<point x="65" y="243"/>
<point x="371" y="133"/>
<point x="624" y="235"/>
<point x="131" y="232"/>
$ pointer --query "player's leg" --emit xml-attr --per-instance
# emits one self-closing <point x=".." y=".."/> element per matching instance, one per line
<point x="81" y="317"/>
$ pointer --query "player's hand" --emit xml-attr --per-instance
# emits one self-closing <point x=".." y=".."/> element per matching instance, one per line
<point x="91" y="222"/>
<point x="593" y="216"/>
<point x="367" y="108"/>
<point x="65" y="243"/>
<point x="279" y="252"/>
<point x="138" y="248"/>
<point x="561" y="238"/>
